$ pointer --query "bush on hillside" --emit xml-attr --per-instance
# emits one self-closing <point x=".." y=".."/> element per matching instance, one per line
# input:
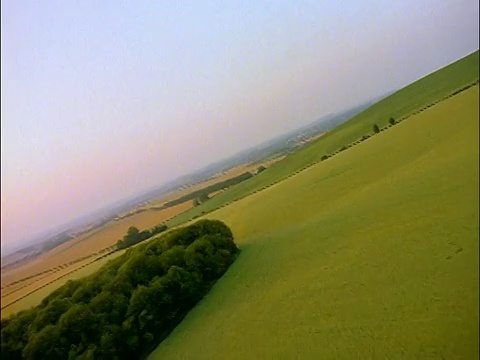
<point x="200" y="199"/>
<point x="127" y="307"/>
<point x="134" y="236"/>
<point x="376" y="129"/>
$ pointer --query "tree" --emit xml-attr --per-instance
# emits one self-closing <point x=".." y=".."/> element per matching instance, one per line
<point x="15" y="334"/>
<point x="46" y="345"/>
<point x="158" y="229"/>
<point x="199" y="200"/>
<point x="78" y="324"/>
<point x="132" y="301"/>
<point x="110" y="341"/>
<point x="132" y="234"/>
<point x="392" y="121"/>
<point x="50" y="314"/>
<point x="376" y="129"/>
<point x="135" y="236"/>
<point x="260" y="169"/>
<point x="173" y="256"/>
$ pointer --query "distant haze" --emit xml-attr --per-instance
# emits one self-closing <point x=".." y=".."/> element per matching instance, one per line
<point x="103" y="99"/>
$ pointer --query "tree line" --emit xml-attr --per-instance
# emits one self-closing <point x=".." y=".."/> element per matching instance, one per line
<point x="134" y="236"/>
<point x="127" y="307"/>
<point x="209" y="189"/>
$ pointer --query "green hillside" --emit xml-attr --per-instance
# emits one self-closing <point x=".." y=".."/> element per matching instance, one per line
<point x="410" y="99"/>
<point x="370" y="254"/>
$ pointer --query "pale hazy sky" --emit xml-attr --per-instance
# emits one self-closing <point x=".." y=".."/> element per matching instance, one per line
<point x="103" y="99"/>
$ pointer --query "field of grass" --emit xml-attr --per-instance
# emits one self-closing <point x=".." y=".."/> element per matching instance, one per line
<point x="370" y="254"/>
<point x="406" y="101"/>
<point x="414" y="97"/>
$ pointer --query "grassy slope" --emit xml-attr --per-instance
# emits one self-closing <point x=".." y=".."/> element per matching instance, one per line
<point x="370" y="254"/>
<point x="404" y="102"/>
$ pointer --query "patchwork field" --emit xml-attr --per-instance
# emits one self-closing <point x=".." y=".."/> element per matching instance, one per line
<point x="372" y="253"/>
<point x="235" y="171"/>
<point x="62" y="260"/>
<point x="27" y="299"/>
<point x="73" y="258"/>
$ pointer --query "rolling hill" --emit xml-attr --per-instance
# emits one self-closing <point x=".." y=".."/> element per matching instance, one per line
<point x="372" y="253"/>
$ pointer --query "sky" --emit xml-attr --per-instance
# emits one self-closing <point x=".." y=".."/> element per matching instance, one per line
<point x="101" y="100"/>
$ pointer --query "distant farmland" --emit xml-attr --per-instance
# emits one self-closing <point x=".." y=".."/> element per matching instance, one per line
<point x="26" y="284"/>
<point x="359" y="245"/>
<point x="372" y="253"/>
<point x="403" y="103"/>
<point x="84" y="246"/>
<point x="27" y="299"/>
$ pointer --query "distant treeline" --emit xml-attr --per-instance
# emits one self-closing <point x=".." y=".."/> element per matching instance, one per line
<point x="56" y="241"/>
<point x="209" y="189"/>
<point x="37" y="250"/>
<point x="127" y="307"/>
<point x="134" y="236"/>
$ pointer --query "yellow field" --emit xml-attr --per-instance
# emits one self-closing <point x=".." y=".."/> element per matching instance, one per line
<point x="87" y="245"/>
<point x="46" y="287"/>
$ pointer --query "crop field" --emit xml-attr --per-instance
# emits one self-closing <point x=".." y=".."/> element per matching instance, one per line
<point x="29" y="299"/>
<point x="228" y="174"/>
<point x="74" y="254"/>
<point x="19" y="290"/>
<point x="372" y="253"/>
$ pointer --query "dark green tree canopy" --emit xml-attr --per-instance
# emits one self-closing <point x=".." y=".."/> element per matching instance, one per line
<point x="128" y="306"/>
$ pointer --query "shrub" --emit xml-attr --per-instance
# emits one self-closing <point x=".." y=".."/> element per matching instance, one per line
<point x="134" y="236"/>
<point x="118" y="312"/>
<point x="376" y="129"/>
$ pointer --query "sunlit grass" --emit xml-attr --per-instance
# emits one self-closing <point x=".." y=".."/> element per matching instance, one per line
<point x="403" y="103"/>
<point x="370" y="254"/>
